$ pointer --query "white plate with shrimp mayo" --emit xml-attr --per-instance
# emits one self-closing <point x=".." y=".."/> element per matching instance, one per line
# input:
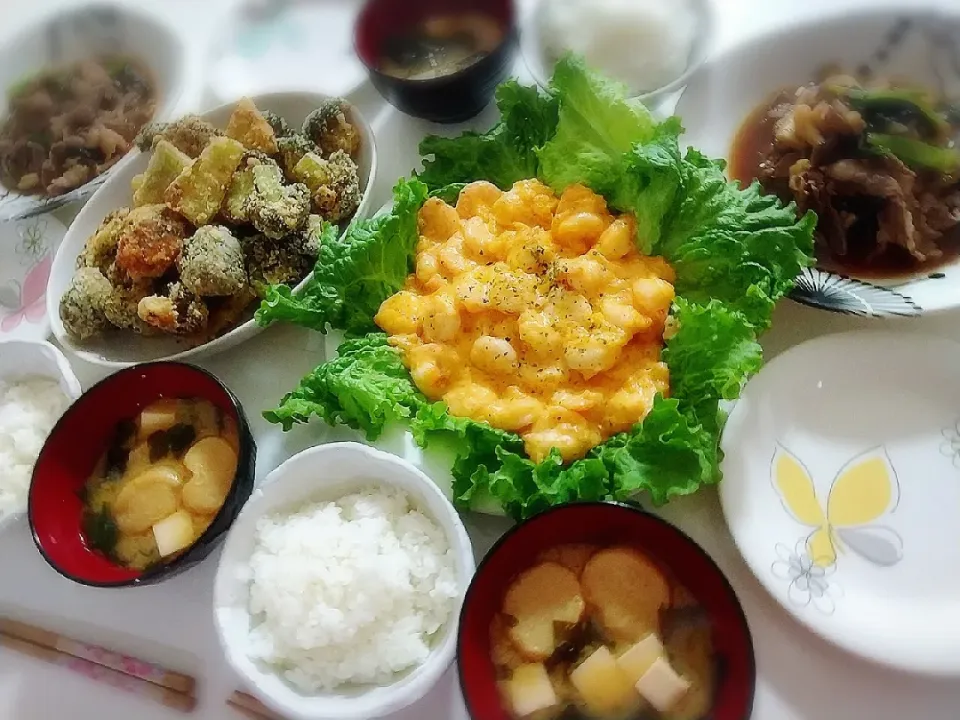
<point x="122" y="348"/>
<point x="841" y="489"/>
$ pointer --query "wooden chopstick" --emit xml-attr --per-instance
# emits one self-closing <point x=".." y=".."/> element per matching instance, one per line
<point x="101" y="673"/>
<point x="252" y="707"/>
<point x="178" y="682"/>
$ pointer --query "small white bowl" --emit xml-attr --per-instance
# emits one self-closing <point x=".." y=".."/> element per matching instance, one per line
<point x="123" y="349"/>
<point x="20" y="359"/>
<point x="82" y="32"/>
<point x="326" y="473"/>
<point x="534" y="54"/>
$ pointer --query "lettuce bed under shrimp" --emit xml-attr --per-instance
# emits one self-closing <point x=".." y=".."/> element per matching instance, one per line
<point x="735" y="252"/>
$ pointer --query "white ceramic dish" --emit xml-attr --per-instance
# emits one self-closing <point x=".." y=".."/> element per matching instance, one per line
<point x="27" y="249"/>
<point x="122" y="349"/>
<point x="82" y="32"/>
<point x="922" y="47"/>
<point x="328" y="472"/>
<point x="535" y="57"/>
<point x="270" y="45"/>
<point x="25" y="358"/>
<point x="841" y="489"/>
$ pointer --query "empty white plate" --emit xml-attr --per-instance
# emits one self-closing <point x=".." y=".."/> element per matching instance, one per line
<point x="842" y="489"/>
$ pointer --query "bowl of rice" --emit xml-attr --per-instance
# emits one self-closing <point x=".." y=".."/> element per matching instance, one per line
<point x="36" y="386"/>
<point x="339" y="588"/>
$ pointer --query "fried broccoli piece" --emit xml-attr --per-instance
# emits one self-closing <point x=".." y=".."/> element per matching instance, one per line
<point x="334" y="184"/>
<point x="275" y="262"/>
<point x="240" y="187"/>
<point x="120" y="306"/>
<point x="280" y="126"/>
<point x="273" y="208"/>
<point x="166" y="163"/>
<point x="179" y="312"/>
<point x="330" y="128"/>
<point x="190" y="134"/>
<point x="248" y="126"/>
<point x="150" y="241"/>
<point x="311" y="238"/>
<point x="198" y="191"/>
<point x="292" y="149"/>
<point x="100" y="249"/>
<point x="81" y="307"/>
<point x="212" y="263"/>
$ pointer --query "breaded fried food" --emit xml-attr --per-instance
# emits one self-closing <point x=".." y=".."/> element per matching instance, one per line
<point x="329" y="127"/>
<point x="211" y="264"/>
<point x="281" y="128"/>
<point x="276" y="262"/>
<point x="100" y="249"/>
<point x="81" y="307"/>
<point x="190" y="135"/>
<point x="292" y="149"/>
<point x="225" y="313"/>
<point x="179" y="312"/>
<point x="249" y="127"/>
<point x="198" y="191"/>
<point x="276" y="209"/>
<point x="240" y="188"/>
<point x="166" y="163"/>
<point x="120" y="306"/>
<point x="150" y="241"/>
<point x="334" y="184"/>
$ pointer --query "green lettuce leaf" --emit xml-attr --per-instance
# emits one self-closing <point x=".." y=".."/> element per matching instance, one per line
<point x="505" y="154"/>
<point x="356" y="273"/>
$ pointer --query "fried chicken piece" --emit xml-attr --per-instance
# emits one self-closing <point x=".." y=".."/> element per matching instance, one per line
<point x="233" y="209"/>
<point x="273" y="208"/>
<point x="248" y="126"/>
<point x="100" y="249"/>
<point x="334" y="184"/>
<point x="292" y="149"/>
<point x="150" y="241"/>
<point x="329" y="127"/>
<point x="166" y="163"/>
<point x="81" y="307"/>
<point x="281" y="128"/>
<point x="276" y="262"/>
<point x="198" y="191"/>
<point x="190" y="134"/>
<point x="179" y="312"/>
<point x="211" y="264"/>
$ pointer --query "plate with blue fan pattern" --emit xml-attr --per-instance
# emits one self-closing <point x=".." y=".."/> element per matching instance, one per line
<point x="842" y="139"/>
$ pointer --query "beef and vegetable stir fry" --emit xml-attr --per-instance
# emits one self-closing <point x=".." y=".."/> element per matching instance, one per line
<point x="877" y="162"/>
<point x="67" y="126"/>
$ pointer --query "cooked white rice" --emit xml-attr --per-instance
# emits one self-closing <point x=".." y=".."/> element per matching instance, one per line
<point x="352" y="591"/>
<point x="28" y="411"/>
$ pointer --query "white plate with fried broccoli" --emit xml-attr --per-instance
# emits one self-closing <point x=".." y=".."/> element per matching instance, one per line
<point x="170" y="257"/>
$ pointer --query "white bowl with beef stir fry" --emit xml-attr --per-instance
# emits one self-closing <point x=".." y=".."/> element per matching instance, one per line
<point x="857" y="119"/>
<point x="77" y="87"/>
<point x="171" y="256"/>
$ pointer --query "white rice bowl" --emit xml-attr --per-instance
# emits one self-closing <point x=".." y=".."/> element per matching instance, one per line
<point x="340" y="584"/>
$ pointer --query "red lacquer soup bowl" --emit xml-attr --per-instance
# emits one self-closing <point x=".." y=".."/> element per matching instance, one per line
<point x="603" y="525"/>
<point x="70" y="454"/>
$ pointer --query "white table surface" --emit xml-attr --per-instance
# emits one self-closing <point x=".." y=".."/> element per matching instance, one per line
<point x="799" y="675"/>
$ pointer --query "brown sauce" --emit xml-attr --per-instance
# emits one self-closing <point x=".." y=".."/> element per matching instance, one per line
<point x="754" y="143"/>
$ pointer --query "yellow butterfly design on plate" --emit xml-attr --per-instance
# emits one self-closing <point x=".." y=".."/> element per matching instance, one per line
<point x="865" y="491"/>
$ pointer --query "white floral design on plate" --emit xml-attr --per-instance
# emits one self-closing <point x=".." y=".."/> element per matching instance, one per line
<point x="809" y="582"/>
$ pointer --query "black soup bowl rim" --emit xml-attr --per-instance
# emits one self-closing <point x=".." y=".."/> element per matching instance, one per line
<point x="192" y="555"/>
<point x="507" y="536"/>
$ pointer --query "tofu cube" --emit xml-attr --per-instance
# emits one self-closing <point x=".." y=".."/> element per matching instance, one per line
<point x="603" y="686"/>
<point x="637" y="660"/>
<point x="173" y="533"/>
<point x="661" y="686"/>
<point x="530" y="690"/>
<point x="198" y="191"/>
<point x="157" y="417"/>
